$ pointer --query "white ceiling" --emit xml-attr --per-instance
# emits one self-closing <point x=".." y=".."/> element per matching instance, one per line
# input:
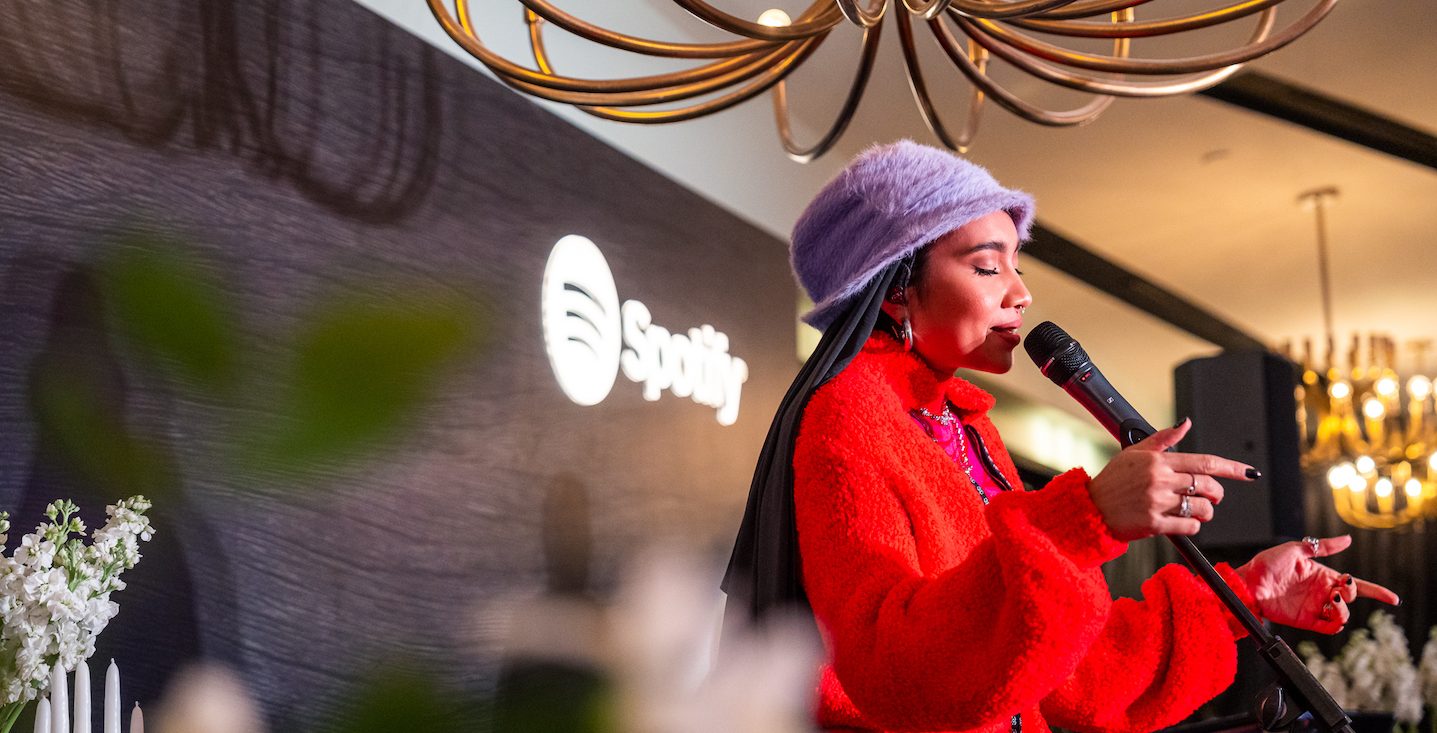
<point x="1194" y="194"/>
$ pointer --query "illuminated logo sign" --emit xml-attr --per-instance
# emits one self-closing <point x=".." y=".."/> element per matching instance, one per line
<point x="588" y="336"/>
<point x="581" y="320"/>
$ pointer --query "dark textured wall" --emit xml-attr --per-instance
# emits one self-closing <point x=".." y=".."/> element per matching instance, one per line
<point x="307" y="149"/>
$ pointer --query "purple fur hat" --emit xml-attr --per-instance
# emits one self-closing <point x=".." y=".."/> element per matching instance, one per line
<point x="890" y="201"/>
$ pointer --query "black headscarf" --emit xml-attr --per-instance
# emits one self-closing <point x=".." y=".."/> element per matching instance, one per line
<point x="764" y="572"/>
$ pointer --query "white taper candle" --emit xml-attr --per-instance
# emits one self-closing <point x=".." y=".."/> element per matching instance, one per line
<point x="137" y="720"/>
<point x="81" y="705"/>
<point x="112" y="699"/>
<point x="42" y="716"/>
<point x="59" y="700"/>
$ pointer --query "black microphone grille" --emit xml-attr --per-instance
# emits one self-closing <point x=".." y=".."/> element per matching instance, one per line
<point x="1049" y="342"/>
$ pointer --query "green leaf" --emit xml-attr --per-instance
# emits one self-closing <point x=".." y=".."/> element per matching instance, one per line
<point x="362" y="369"/>
<point x="171" y="310"/>
<point x="403" y="702"/>
<point x="538" y="697"/>
<point x="74" y="415"/>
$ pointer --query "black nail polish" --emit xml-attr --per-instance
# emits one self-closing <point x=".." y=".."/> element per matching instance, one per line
<point x="1336" y="598"/>
<point x="1179" y="423"/>
<point x="1252" y="473"/>
<point x="1349" y="580"/>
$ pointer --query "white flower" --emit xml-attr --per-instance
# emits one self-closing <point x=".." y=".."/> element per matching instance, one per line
<point x="35" y="552"/>
<point x="663" y="632"/>
<point x="656" y="644"/>
<point x="1376" y="671"/>
<point x="1328" y="673"/>
<point x="55" y="591"/>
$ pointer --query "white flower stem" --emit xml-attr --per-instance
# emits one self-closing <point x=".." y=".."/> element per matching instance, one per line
<point x="9" y="714"/>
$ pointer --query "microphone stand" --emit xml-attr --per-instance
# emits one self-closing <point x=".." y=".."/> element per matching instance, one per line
<point x="1296" y="690"/>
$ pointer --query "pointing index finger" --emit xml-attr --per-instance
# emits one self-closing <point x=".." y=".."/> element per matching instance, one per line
<point x="1376" y="592"/>
<point x="1215" y="466"/>
<point x="1165" y="438"/>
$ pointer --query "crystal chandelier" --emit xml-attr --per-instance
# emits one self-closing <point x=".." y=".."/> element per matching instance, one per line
<point x="761" y="53"/>
<point x="1370" y="436"/>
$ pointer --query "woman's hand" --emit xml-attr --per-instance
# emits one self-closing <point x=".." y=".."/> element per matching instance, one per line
<point x="1293" y="589"/>
<point x="1140" y="492"/>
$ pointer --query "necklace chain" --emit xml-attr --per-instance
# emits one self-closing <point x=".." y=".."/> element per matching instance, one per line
<point x="947" y="419"/>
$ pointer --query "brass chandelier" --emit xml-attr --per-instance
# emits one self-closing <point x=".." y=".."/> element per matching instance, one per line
<point x="1370" y="436"/>
<point x="763" y="52"/>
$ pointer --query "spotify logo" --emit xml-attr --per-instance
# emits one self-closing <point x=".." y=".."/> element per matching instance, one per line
<point x="581" y="320"/>
<point x="588" y="336"/>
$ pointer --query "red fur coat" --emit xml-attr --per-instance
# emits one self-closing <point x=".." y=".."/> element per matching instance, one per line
<point x="941" y="614"/>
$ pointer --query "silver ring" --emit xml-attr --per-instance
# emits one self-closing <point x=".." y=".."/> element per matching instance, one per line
<point x="1185" y="508"/>
<point x="1313" y="544"/>
<point x="1192" y="485"/>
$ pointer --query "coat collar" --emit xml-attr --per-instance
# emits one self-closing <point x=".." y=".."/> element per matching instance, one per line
<point x="918" y="384"/>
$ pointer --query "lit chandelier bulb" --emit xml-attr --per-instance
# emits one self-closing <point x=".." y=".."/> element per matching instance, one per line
<point x="1373" y="408"/>
<point x="1365" y="464"/>
<point x="1357" y="485"/>
<point x="1419" y="387"/>
<point x="1432" y="462"/>
<point x="1386" y="386"/>
<point x="1339" y="390"/>
<point x="1383" y="487"/>
<point x="1413" y="487"/>
<point x="1341" y="475"/>
<point x="775" y="18"/>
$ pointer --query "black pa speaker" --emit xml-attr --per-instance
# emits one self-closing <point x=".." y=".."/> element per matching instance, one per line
<point x="1243" y="408"/>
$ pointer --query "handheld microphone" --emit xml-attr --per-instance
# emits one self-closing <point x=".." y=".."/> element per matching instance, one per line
<point x="1060" y="358"/>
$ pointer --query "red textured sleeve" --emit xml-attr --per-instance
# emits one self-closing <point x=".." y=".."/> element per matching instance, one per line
<point x="958" y="648"/>
<point x="1156" y="660"/>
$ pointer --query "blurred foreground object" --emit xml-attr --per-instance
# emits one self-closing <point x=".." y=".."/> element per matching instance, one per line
<point x="1374" y="671"/>
<point x="207" y="699"/>
<point x="761" y="54"/>
<point x="646" y="662"/>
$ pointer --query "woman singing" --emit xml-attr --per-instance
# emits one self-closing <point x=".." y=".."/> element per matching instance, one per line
<point x="949" y="598"/>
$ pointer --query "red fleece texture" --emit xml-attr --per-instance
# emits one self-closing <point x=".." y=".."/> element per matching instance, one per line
<point x="941" y="614"/>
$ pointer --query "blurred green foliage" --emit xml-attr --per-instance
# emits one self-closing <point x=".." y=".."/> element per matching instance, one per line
<point x="395" y="702"/>
<point x="168" y="307"/>
<point x="361" y="366"/>
<point x="362" y="369"/>
<point x="538" y="697"/>
<point x="73" y="417"/>
<point x="533" y="698"/>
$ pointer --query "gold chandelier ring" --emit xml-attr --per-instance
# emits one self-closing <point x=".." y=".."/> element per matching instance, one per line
<point x="1156" y="67"/>
<point x="624" y="42"/>
<point x="926" y="109"/>
<point x="1145" y="29"/>
<point x="823" y="16"/>
<point x="462" y="32"/>
<point x="1097" y="85"/>
<point x="800" y="154"/>
<point x="927" y="8"/>
<point x="758" y="85"/>
<point x="1006" y="99"/>
<point x="998" y="11"/>
<point x="671" y="93"/>
<point x="1088" y="9"/>
<point x="695" y="84"/>
<point x="864" y="18"/>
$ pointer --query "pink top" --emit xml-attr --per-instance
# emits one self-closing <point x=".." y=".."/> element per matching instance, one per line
<point x="946" y="436"/>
